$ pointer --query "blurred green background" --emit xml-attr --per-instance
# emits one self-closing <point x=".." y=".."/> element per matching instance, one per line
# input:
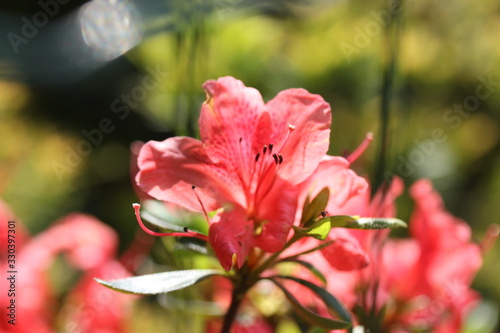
<point x="423" y="76"/>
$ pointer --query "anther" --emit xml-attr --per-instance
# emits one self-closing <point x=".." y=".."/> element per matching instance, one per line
<point x="280" y="158"/>
<point x="271" y="148"/>
<point x="257" y="157"/>
<point x="185" y="229"/>
<point x="264" y="150"/>
<point x="324" y="213"/>
<point x="193" y="187"/>
<point x="291" y="127"/>
<point x="275" y="158"/>
<point x="241" y="139"/>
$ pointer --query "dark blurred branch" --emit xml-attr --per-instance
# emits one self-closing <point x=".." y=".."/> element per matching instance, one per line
<point x="391" y="47"/>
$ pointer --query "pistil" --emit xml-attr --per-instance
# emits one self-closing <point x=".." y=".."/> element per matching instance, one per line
<point x="186" y="233"/>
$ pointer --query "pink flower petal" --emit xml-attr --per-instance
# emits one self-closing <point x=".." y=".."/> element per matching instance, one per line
<point x="231" y="234"/>
<point x="345" y="253"/>
<point x="430" y="221"/>
<point x="170" y="168"/>
<point x="344" y="185"/>
<point x="228" y="125"/>
<point x="278" y="212"/>
<point x="457" y="266"/>
<point x="309" y="141"/>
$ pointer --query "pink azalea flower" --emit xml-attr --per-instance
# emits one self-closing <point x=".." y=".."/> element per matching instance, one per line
<point x="89" y="245"/>
<point x="349" y="195"/>
<point x="437" y="264"/>
<point x="249" y="161"/>
<point x="424" y="281"/>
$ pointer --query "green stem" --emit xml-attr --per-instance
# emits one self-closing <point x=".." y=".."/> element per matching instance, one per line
<point x="269" y="261"/>
<point x="236" y="298"/>
<point x="247" y="278"/>
<point x="390" y="58"/>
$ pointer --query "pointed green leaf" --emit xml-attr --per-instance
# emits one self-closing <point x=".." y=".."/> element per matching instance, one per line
<point x="307" y="265"/>
<point x="356" y="222"/>
<point x="333" y="305"/>
<point x="159" y="282"/>
<point x="313" y="208"/>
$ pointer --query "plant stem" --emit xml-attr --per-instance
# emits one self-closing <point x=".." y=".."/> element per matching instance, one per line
<point x="236" y="298"/>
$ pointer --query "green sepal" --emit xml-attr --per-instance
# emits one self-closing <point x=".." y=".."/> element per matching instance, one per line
<point x="318" y="229"/>
<point x="313" y="208"/>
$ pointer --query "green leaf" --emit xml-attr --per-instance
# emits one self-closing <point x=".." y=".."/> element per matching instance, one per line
<point x="307" y="265"/>
<point x="157" y="283"/>
<point x="333" y="305"/>
<point x="313" y="208"/>
<point x="355" y="222"/>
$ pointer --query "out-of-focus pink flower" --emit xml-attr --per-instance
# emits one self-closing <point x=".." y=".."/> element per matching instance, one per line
<point x="422" y="281"/>
<point x="89" y="245"/>
<point x="437" y="266"/>
<point x="251" y="157"/>
<point x="349" y="195"/>
<point x="90" y="308"/>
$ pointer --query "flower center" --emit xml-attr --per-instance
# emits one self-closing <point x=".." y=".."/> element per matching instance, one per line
<point x="264" y="173"/>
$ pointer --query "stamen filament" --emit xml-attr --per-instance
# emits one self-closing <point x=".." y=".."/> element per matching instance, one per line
<point x="361" y="148"/>
<point x="187" y="233"/>
<point x="291" y="128"/>
<point x="201" y="204"/>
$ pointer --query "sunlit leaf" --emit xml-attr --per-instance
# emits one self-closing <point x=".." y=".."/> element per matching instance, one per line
<point x="333" y="305"/>
<point x="159" y="282"/>
<point x="319" y="229"/>
<point x="354" y="222"/>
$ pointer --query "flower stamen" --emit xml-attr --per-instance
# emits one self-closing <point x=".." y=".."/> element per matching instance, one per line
<point x="489" y="238"/>
<point x="275" y="158"/>
<point x="193" y="187"/>
<point x="290" y="130"/>
<point x="361" y="148"/>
